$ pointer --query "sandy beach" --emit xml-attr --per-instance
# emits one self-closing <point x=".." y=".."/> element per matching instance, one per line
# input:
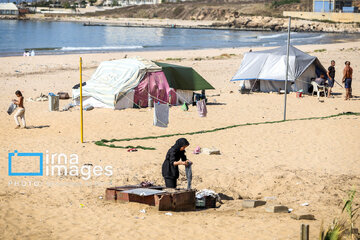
<point x="296" y="162"/>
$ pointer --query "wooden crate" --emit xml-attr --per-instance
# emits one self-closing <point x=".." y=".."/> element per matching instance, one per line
<point x="166" y="200"/>
<point x="182" y="200"/>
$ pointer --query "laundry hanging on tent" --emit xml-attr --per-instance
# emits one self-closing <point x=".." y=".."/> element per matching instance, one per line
<point x="112" y="82"/>
<point x="161" y="115"/>
<point x="201" y="108"/>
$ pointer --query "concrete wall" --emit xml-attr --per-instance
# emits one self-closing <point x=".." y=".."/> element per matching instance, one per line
<point x="335" y="17"/>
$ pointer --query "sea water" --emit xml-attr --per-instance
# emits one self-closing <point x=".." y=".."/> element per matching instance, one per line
<point x="46" y="37"/>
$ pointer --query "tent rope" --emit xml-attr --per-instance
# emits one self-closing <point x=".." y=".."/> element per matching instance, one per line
<point x="103" y="142"/>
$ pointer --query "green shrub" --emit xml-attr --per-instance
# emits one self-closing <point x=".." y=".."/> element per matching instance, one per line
<point x="278" y="3"/>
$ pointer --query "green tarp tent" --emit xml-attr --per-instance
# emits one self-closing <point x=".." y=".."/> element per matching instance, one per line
<point x="185" y="78"/>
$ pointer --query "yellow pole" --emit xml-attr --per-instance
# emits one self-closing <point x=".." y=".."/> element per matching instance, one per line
<point x="81" y="104"/>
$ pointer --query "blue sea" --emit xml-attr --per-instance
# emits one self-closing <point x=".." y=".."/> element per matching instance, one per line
<point x="70" y="37"/>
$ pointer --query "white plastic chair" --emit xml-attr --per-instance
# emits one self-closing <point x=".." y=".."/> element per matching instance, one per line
<point x="317" y="88"/>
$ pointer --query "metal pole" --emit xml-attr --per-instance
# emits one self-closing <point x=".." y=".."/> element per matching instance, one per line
<point x="81" y="104"/>
<point x="305" y="230"/>
<point x="287" y="66"/>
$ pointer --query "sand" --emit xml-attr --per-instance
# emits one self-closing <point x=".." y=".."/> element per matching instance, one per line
<point x="313" y="161"/>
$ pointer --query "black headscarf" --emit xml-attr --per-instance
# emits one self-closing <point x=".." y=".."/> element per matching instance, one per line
<point x="169" y="170"/>
<point x="181" y="142"/>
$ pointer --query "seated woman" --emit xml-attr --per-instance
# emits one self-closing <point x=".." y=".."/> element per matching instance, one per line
<point x="174" y="157"/>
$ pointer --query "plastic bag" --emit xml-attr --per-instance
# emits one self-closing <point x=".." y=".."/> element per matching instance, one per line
<point x="185" y="107"/>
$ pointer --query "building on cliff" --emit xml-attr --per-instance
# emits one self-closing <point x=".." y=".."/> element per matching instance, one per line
<point x="8" y="9"/>
<point x="124" y="3"/>
<point x="331" y="5"/>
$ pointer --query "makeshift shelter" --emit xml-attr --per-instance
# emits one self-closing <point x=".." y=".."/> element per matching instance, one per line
<point x="265" y="71"/>
<point x="127" y="83"/>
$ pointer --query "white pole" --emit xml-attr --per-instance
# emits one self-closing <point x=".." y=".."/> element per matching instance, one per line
<point x="287" y="66"/>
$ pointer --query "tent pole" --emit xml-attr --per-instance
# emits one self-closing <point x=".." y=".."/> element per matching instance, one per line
<point x="252" y="87"/>
<point x="81" y="104"/>
<point x="287" y="66"/>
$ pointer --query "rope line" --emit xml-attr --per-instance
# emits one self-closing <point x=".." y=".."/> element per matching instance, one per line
<point x="103" y="142"/>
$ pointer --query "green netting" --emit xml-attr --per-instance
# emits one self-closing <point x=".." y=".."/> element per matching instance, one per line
<point x="103" y="142"/>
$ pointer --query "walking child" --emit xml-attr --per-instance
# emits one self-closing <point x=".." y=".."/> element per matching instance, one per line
<point x="20" y="112"/>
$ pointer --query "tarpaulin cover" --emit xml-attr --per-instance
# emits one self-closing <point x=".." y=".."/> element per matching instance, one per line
<point x="185" y="78"/>
<point x="112" y="79"/>
<point x="155" y="85"/>
<point x="270" y="65"/>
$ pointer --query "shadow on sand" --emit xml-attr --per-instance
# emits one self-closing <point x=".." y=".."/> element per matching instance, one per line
<point x="38" y="127"/>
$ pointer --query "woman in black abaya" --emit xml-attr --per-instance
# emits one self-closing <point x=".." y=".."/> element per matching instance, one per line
<point x="174" y="157"/>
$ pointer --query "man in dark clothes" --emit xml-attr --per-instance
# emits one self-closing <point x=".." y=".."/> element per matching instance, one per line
<point x="174" y="157"/>
<point x="331" y="76"/>
<point x="320" y="80"/>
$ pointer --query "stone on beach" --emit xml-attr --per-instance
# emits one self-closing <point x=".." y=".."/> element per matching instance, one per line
<point x="277" y="209"/>
<point x="302" y="216"/>
<point x="252" y="203"/>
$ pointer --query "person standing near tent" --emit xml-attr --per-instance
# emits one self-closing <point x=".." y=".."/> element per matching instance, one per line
<point x="347" y="79"/>
<point x="331" y="77"/>
<point x="174" y="157"/>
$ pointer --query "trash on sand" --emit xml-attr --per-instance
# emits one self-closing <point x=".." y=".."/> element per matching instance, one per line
<point x="206" y="193"/>
<point x="132" y="150"/>
<point x="290" y="210"/>
<point x="305" y="204"/>
<point x="146" y="184"/>
<point x="100" y="197"/>
<point x="68" y="106"/>
<point x="41" y="98"/>
<point x="211" y="151"/>
<point x="143" y="211"/>
<point x="88" y="107"/>
<point x="82" y="205"/>
<point x="168" y="214"/>
<point x="197" y="150"/>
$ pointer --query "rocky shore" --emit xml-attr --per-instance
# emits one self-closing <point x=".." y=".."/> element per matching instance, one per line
<point x="281" y="24"/>
<point x="235" y="22"/>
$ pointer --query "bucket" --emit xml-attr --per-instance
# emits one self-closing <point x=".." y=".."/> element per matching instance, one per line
<point x="299" y="94"/>
<point x="53" y="102"/>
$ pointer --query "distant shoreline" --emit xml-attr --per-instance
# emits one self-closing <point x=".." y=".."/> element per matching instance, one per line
<point x="255" y="23"/>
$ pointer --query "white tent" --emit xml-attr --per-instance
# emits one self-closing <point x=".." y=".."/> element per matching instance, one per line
<point x="112" y="80"/>
<point x="266" y="70"/>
